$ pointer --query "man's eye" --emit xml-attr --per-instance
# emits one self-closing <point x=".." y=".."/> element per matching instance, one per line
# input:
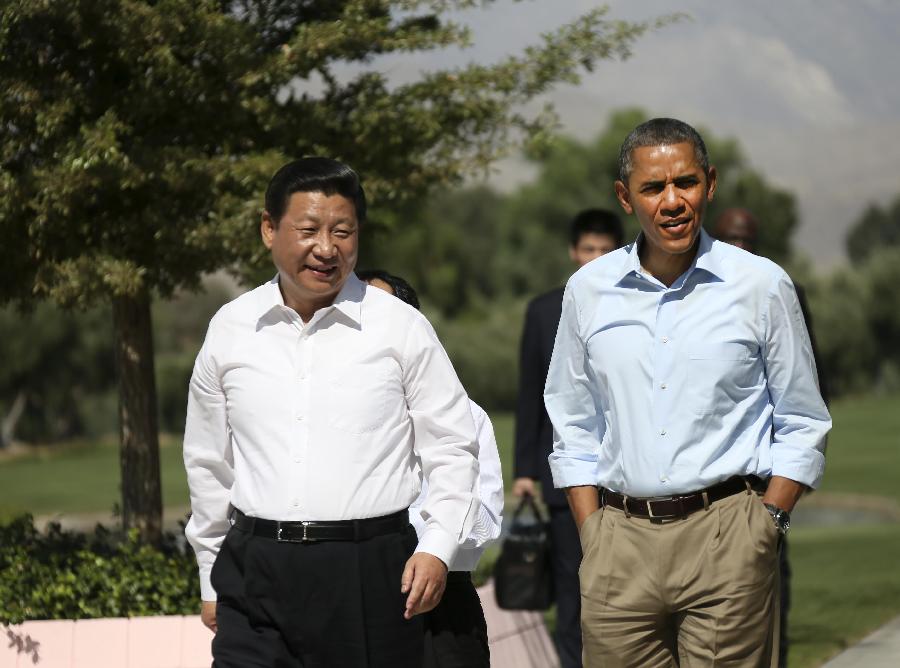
<point x="685" y="184"/>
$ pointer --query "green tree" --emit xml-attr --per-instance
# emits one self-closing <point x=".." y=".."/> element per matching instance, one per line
<point x="139" y="134"/>
<point x="54" y="364"/>
<point x="877" y="228"/>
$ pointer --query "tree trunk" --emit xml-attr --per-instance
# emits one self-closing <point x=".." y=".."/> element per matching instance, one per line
<point x="8" y="428"/>
<point x="138" y="428"/>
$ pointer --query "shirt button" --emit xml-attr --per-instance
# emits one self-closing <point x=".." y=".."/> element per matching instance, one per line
<point x="665" y="339"/>
<point x="662" y="386"/>
<point x="662" y="432"/>
<point x="300" y="418"/>
<point x="296" y="503"/>
<point x="663" y="478"/>
<point x="296" y="459"/>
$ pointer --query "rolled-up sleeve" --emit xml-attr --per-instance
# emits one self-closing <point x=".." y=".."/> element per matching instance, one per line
<point x="800" y="418"/>
<point x="444" y="442"/>
<point x="578" y="425"/>
<point x="209" y="464"/>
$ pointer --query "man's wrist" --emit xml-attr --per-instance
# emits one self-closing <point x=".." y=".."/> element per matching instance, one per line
<point x="780" y="517"/>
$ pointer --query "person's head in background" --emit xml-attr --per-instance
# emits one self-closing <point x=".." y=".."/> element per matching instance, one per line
<point x="592" y="233"/>
<point x="737" y="227"/>
<point x="394" y="285"/>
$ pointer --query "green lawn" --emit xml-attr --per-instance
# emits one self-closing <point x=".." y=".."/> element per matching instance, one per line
<point x="81" y="478"/>
<point x="846" y="578"/>
<point x="863" y="454"/>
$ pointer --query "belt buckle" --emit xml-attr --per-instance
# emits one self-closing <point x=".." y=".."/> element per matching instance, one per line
<point x="290" y="539"/>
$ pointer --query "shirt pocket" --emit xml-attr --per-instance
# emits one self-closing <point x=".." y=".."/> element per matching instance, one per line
<point x="356" y="399"/>
<point x="718" y="375"/>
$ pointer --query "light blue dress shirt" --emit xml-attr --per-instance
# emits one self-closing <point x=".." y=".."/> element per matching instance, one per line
<point x="656" y="390"/>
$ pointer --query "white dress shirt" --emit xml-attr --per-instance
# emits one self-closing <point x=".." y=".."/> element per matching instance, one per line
<point x="490" y="493"/>
<point x="326" y="420"/>
<point x="657" y="390"/>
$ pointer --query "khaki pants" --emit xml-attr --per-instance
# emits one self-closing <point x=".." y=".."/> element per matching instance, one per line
<point x="699" y="591"/>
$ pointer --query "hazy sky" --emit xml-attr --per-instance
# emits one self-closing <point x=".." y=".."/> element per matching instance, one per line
<point x="810" y="88"/>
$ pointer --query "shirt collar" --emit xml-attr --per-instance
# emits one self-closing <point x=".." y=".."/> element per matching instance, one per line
<point x="348" y="301"/>
<point x="707" y="259"/>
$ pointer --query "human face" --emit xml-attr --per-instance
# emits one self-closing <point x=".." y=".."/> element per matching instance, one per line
<point x="738" y="229"/>
<point x="314" y="246"/>
<point x="667" y="191"/>
<point x="590" y="246"/>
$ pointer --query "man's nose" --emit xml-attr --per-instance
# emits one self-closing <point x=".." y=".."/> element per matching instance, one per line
<point x="671" y="200"/>
<point x="324" y="246"/>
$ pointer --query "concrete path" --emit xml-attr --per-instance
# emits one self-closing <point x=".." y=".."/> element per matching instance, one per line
<point x="879" y="650"/>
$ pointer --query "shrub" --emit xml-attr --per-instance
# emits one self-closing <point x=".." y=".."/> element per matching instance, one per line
<point x="61" y="574"/>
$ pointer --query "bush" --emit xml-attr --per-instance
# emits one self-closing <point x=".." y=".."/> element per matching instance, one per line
<point x="67" y="575"/>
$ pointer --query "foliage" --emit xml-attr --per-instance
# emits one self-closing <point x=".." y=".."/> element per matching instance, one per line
<point x="484" y="348"/>
<point x="66" y="575"/>
<point x="57" y="361"/>
<point x="138" y="135"/>
<point x="876" y="228"/>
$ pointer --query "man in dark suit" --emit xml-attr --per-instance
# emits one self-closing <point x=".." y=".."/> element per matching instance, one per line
<point x="740" y="228"/>
<point x="594" y="232"/>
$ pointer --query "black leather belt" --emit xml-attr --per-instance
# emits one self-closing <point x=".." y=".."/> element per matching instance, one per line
<point x="674" y="507"/>
<point x="314" y="531"/>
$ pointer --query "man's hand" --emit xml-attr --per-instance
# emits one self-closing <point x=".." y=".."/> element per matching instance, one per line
<point x="583" y="501"/>
<point x="523" y="486"/>
<point x="208" y="614"/>
<point x="424" y="579"/>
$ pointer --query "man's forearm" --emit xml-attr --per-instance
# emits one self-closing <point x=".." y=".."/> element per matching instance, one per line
<point x="583" y="501"/>
<point x="783" y="492"/>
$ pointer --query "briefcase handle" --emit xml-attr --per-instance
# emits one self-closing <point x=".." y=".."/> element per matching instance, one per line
<point x="528" y="501"/>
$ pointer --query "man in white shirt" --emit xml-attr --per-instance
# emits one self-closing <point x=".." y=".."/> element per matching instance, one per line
<point x="313" y="403"/>
<point x="456" y="630"/>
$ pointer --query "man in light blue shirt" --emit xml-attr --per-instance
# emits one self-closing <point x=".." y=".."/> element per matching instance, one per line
<point x="684" y="400"/>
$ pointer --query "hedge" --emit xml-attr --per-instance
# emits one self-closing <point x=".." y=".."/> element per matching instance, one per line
<point x="58" y="574"/>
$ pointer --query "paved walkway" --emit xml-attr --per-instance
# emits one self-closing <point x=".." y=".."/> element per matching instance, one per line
<point x="879" y="650"/>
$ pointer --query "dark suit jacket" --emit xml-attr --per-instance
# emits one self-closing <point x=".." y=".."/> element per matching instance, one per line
<point x="534" y="433"/>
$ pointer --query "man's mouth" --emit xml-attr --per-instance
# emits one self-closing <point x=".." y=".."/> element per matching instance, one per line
<point x="321" y="271"/>
<point x="676" y="226"/>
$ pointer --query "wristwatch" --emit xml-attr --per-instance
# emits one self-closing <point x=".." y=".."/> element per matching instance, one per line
<point x="782" y="518"/>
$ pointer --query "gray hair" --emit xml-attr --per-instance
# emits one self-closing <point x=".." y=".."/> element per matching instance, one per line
<point x="660" y="132"/>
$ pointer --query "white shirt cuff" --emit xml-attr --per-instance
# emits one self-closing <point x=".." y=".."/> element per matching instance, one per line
<point x="207" y="593"/>
<point x="440" y="544"/>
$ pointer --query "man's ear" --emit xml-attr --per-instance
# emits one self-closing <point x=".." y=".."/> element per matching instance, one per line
<point x="624" y="197"/>
<point x="711" y="182"/>
<point x="267" y="229"/>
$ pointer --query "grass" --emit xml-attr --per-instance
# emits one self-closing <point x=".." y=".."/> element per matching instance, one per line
<point x="846" y="584"/>
<point x="846" y="578"/>
<point x="863" y="454"/>
<point x="81" y="478"/>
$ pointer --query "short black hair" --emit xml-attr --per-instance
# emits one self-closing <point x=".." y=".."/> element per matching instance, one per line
<point x="402" y="290"/>
<point x="314" y="175"/>
<point x="596" y="221"/>
<point x="660" y="132"/>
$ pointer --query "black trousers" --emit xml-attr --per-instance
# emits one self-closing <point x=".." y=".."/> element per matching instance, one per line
<point x="566" y="558"/>
<point x="455" y="631"/>
<point x="330" y="604"/>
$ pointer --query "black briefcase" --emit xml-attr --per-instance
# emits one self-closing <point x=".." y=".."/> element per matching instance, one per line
<point x="523" y="579"/>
